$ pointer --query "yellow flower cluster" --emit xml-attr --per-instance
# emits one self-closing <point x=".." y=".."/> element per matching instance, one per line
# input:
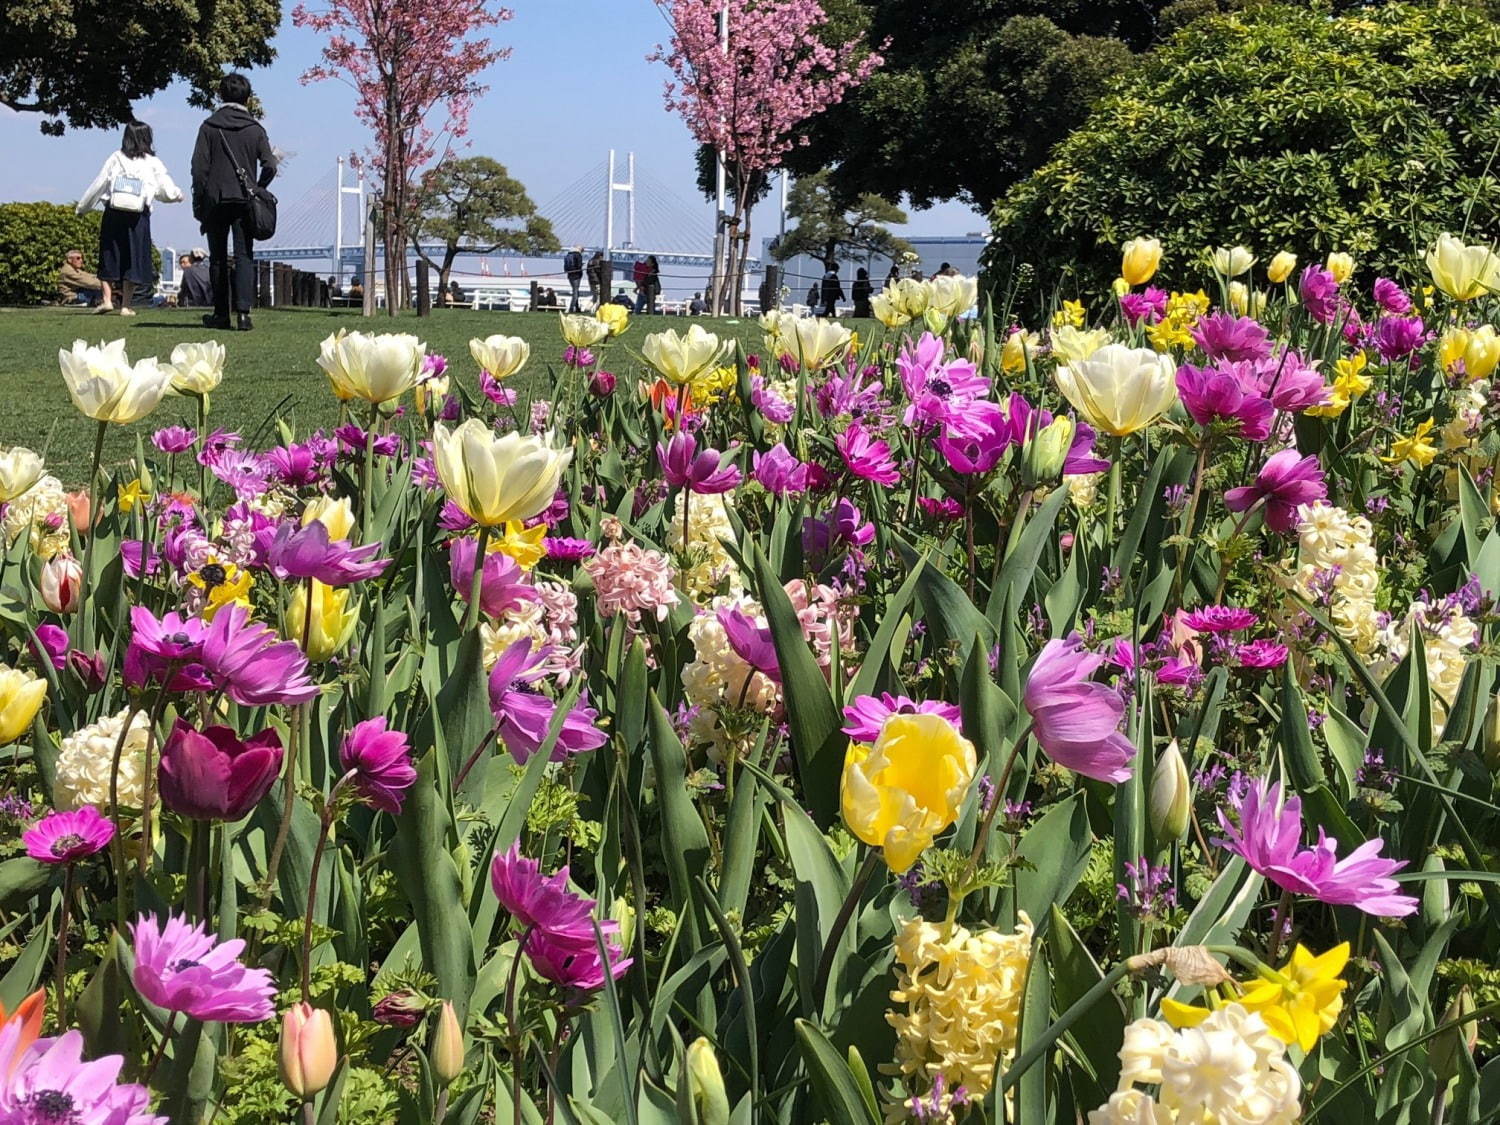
<point x="708" y="387"/>
<point x="962" y="993"/>
<point x="1336" y="549"/>
<point x="1175" y="328"/>
<point x="85" y="757"/>
<point x="709" y="565"/>
<point x="1070" y="315"/>
<point x="1350" y="382"/>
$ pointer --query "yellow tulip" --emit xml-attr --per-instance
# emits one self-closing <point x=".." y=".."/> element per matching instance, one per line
<point x="682" y="357"/>
<point x="447" y="1053"/>
<point x="107" y="387"/>
<point x="374" y="368"/>
<point x="1139" y="259"/>
<point x="1018" y="345"/>
<point x="1463" y="272"/>
<point x="614" y="317"/>
<point x="1118" y="389"/>
<point x="21" y="695"/>
<point x="906" y="788"/>
<point x="501" y="356"/>
<point x="197" y="368"/>
<point x="1070" y="344"/>
<point x="1482" y="352"/>
<point x="913" y="296"/>
<point x="888" y="309"/>
<point x="337" y="515"/>
<point x="20" y="468"/>
<point x="1231" y="261"/>
<point x="332" y="623"/>
<point x="495" y="479"/>
<point x="1341" y="265"/>
<point x="581" y="331"/>
<point x="1281" y="267"/>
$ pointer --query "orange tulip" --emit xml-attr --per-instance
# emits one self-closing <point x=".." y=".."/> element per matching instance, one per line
<point x="78" y="505"/>
<point x="28" y="1014"/>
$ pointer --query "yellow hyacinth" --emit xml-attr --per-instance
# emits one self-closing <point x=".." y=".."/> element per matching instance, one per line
<point x="1416" y="448"/>
<point x="1300" y="1002"/>
<point x="906" y="788"/>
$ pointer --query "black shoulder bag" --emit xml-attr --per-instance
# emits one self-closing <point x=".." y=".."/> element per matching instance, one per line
<point x="261" y="203"/>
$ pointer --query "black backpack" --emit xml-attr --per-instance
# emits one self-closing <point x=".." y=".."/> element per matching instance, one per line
<point x="260" y="203"/>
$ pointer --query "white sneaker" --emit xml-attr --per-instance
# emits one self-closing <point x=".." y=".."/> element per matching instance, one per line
<point x="127" y="312"/>
<point x="100" y="309"/>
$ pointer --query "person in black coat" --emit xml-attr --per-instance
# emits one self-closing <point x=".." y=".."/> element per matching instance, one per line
<point x="230" y="137"/>
<point x="861" y="293"/>
<point x="833" y="292"/>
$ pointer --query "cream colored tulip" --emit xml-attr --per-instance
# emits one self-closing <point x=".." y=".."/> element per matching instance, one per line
<point x="106" y="387"/>
<point x="1071" y="344"/>
<point x="953" y="294"/>
<point x="501" y="356"/>
<point x="337" y="515"/>
<point x="20" y="468"/>
<point x="1463" y="272"/>
<point x="773" y="325"/>
<point x="374" y="368"/>
<point x="197" y="368"/>
<point x="1232" y="261"/>
<point x="1280" y="267"/>
<point x="814" y="341"/>
<point x="447" y="1052"/>
<point x="913" y="296"/>
<point x="887" y="307"/>
<point x="1139" y="259"/>
<point x="1341" y="265"/>
<point x="1119" y="389"/>
<point x="309" y="1053"/>
<point x="581" y="331"/>
<point x="494" y="479"/>
<point x="681" y="358"/>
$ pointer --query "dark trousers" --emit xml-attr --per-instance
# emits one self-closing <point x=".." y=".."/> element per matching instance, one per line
<point x="224" y="220"/>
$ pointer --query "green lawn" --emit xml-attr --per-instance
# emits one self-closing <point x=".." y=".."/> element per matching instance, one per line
<point x="272" y="370"/>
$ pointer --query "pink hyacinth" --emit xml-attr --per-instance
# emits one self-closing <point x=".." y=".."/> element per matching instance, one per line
<point x="66" y="837"/>
<point x="1267" y="834"/>
<point x="380" y="760"/>
<point x="632" y="580"/>
<point x="864" y="718"/>
<point x="1076" y="720"/>
<point x="47" y="1082"/>
<point x="182" y="968"/>
<point x="1285" y="482"/>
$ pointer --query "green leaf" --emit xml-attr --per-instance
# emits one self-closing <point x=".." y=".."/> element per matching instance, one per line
<point x="1036" y="1010"/>
<point x="464" y="706"/>
<point x="838" y="1091"/>
<point x="21" y="880"/>
<point x="25" y="973"/>
<point x="685" y="848"/>
<point x="101" y="1008"/>
<point x="1026" y="549"/>
<point x="1098" y="1038"/>
<point x="1296" y="735"/>
<point x="951" y="617"/>
<point x="1056" y="850"/>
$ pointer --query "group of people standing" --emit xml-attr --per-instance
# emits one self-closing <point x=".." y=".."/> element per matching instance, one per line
<point x="232" y="151"/>
<point x="825" y="295"/>
<point x="646" y="274"/>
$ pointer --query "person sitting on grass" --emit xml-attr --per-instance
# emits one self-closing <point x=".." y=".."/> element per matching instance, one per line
<point x="75" y="285"/>
<point x="195" y="289"/>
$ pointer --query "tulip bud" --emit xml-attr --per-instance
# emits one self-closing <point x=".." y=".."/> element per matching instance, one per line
<point x="309" y="1054"/>
<point x="61" y="581"/>
<point x="1119" y="287"/>
<point x="602" y="383"/>
<point x="447" y="1046"/>
<point x="1239" y="297"/>
<point x="1492" y="735"/>
<point x="1171" y="796"/>
<point x="399" y="1009"/>
<point x="1340" y="265"/>
<point x="1138" y="260"/>
<point x="706" y="1082"/>
<point x="622" y="912"/>
<point x="935" y="320"/>
<point x="1281" y="267"/>
<point x="1442" y="1054"/>
<point x="1045" y="454"/>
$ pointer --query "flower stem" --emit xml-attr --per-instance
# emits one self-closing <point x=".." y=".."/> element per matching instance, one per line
<point x="83" y="623"/>
<point x="325" y="824"/>
<point x="862" y="879"/>
<point x="298" y="736"/>
<point x="117" y="842"/>
<point x="517" y="1040"/>
<point x="60" y="973"/>
<point x="476" y="583"/>
<point x="161" y="1048"/>
<point x="367" y="476"/>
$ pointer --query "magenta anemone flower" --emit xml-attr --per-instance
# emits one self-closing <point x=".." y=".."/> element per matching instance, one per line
<point x="1215" y="396"/>
<point x="380" y="760"/>
<point x="295" y="465"/>
<point x="1076" y="720"/>
<point x="567" y="550"/>
<point x="47" y="1082"/>
<point x="525" y="715"/>
<point x="843" y="525"/>
<point x="779" y="472"/>
<point x="213" y="775"/>
<point x="1267" y="833"/>
<point x="944" y="510"/>
<point x="1391" y="297"/>
<point x="864" y="717"/>
<point x="54" y="642"/>
<point x="1223" y="335"/>
<point x="577" y="967"/>
<point x="1261" y="654"/>
<point x="940" y="394"/>
<point x="867" y="457"/>
<point x="1220" y="619"/>
<point x="181" y="968"/>
<point x="503" y="586"/>
<point x="538" y="901"/>
<point x="251" y="664"/>
<point x="172" y="643"/>
<point x="138" y="556"/>
<point x="976" y="446"/>
<point x="174" y="439"/>
<point x="1319" y="291"/>
<point x="66" y="837"/>
<point x="751" y="641"/>
<point x="1396" y="337"/>
<point x="307" y="552"/>
<point x="1286" y="481"/>
<point x="1149" y="305"/>
<point x="685" y="466"/>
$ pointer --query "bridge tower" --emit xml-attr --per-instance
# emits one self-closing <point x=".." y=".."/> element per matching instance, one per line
<point x="340" y="190"/>
<point x="612" y="185"/>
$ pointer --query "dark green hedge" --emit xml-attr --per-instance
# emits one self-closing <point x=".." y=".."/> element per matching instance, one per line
<point x="1279" y="127"/>
<point x="33" y="239"/>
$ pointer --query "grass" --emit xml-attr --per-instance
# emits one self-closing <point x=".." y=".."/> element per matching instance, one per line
<point x="269" y="372"/>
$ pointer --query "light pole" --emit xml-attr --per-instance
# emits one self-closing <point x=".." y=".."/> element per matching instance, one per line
<point x="717" y="279"/>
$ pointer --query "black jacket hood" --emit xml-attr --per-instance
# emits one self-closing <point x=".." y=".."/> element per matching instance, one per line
<point x="231" y="117"/>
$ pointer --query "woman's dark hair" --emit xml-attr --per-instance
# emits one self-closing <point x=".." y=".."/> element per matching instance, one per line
<point x="234" y="88"/>
<point x="137" y="140"/>
<point x="862" y="273"/>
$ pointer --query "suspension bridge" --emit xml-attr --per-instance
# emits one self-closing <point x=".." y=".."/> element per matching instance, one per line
<point x="613" y="207"/>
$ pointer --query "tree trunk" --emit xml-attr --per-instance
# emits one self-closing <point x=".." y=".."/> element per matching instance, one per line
<point x="445" y="271"/>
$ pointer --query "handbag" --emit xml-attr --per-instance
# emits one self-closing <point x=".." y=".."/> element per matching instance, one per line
<point x="127" y="193"/>
<point x="260" y="203"/>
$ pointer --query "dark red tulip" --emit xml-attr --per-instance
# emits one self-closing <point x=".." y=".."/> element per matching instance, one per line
<point x="213" y="775"/>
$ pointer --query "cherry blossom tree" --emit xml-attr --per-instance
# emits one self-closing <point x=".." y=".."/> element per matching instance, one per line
<point x="414" y="67"/>
<point x="749" y="100"/>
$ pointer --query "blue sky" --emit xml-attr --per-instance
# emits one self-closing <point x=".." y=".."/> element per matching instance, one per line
<point x="576" y="85"/>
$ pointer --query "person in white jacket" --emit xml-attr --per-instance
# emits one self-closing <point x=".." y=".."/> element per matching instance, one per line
<point x="130" y="181"/>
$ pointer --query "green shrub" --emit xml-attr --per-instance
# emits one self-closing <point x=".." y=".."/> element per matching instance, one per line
<point x="33" y="239"/>
<point x="1280" y="127"/>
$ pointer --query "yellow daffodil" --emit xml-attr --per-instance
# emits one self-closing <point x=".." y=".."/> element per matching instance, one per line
<point x="1416" y="448"/>
<point x="1139" y="259"/>
<point x="522" y="543"/>
<point x="223" y="583"/>
<point x="21" y="695"/>
<point x="906" y="788"/>
<point x="132" y="494"/>
<point x="331" y="625"/>
<point x="1350" y="383"/>
<point x="1071" y="314"/>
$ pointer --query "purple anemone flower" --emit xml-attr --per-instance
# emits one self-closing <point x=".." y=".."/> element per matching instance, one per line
<point x="181" y="968"/>
<point x="66" y="837"/>
<point x="525" y="715"/>
<point x="307" y="552"/>
<point x="864" y="718"/>
<point x="1285" y="482"/>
